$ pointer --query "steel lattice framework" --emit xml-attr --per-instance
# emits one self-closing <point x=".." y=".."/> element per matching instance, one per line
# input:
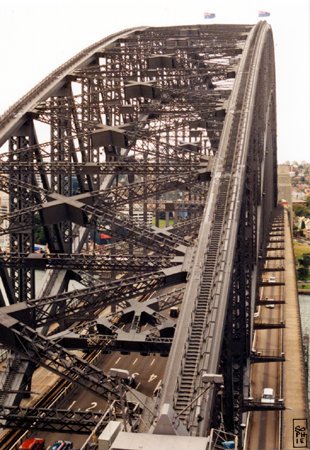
<point x="149" y="123"/>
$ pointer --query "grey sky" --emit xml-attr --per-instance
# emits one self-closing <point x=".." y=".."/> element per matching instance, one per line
<point x="36" y="36"/>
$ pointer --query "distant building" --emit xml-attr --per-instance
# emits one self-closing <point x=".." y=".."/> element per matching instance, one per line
<point x="138" y="216"/>
<point x="285" y="187"/>
<point x="4" y="209"/>
<point x="303" y="224"/>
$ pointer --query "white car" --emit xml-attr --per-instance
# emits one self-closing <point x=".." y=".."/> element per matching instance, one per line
<point x="267" y="395"/>
<point x="272" y="280"/>
<point x="270" y="305"/>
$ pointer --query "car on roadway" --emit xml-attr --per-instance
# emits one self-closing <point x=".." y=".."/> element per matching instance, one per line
<point x="32" y="444"/>
<point x="272" y="280"/>
<point x="267" y="395"/>
<point x="270" y="305"/>
<point x="61" y="445"/>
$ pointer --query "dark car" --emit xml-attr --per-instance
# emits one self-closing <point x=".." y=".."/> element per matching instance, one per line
<point x="61" y="445"/>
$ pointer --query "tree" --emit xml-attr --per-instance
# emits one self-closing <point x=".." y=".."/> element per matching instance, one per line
<point x="302" y="273"/>
<point x="39" y="235"/>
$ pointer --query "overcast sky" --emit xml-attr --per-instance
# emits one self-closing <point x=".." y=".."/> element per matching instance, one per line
<point x="36" y="36"/>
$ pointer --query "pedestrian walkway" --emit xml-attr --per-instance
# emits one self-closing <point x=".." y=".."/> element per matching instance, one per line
<point x="295" y="414"/>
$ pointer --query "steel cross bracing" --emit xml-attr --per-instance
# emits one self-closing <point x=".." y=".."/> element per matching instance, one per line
<point x="125" y="166"/>
<point x="122" y="129"/>
<point x="46" y="419"/>
<point x="41" y="350"/>
<point x="56" y="420"/>
<point x="121" y="262"/>
<point x="115" y="197"/>
<point x="78" y="209"/>
<point x="158" y="303"/>
<point x="72" y="307"/>
<point x="28" y="343"/>
<point x="69" y="306"/>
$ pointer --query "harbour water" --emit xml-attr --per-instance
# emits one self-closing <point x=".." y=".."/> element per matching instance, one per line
<point x="304" y="302"/>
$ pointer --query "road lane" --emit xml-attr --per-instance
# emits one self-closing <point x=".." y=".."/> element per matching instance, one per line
<point x="264" y="425"/>
<point x="149" y="372"/>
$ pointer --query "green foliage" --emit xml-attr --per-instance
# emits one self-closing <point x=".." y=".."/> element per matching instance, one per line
<point x="302" y="257"/>
<point x="303" y="210"/>
<point x="303" y="273"/>
<point x="39" y="236"/>
<point x="300" y="249"/>
<point x="162" y="222"/>
<point x="305" y="260"/>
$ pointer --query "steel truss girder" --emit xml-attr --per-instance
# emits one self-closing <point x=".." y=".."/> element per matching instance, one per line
<point x="158" y="303"/>
<point x="238" y="340"/>
<point x="88" y="262"/>
<point x="91" y="216"/>
<point x="155" y="239"/>
<point x="85" y="302"/>
<point x="125" y="343"/>
<point x="250" y="240"/>
<point x="26" y="342"/>
<point x="116" y="196"/>
<point x="226" y="267"/>
<point x="95" y="168"/>
<point x="22" y="279"/>
<point x="238" y="332"/>
<point x="257" y="405"/>
<point x="188" y="227"/>
<point x="50" y="420"/>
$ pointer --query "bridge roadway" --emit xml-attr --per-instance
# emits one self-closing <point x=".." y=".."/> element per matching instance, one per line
<point x="276" y="429"/>
<point x="150" y="370"/>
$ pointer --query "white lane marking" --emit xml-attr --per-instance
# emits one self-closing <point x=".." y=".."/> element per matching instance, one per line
<point x="155" y="392"/>
<point x="135" y="361"/>
<point x="118" y="360"/>
<point x="153" y="362"/>
<point x="74" y="401"/>
<point x="93" y="405"/>
<point x="152" y="378"/>
<point x="135" y="374"/>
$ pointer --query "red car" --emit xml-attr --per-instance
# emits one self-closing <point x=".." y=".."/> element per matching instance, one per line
<point x="33" y="444"/>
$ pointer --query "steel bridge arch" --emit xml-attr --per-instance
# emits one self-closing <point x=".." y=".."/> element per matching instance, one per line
<point x="126" y="82"/>
<point x="226" y="270"/>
